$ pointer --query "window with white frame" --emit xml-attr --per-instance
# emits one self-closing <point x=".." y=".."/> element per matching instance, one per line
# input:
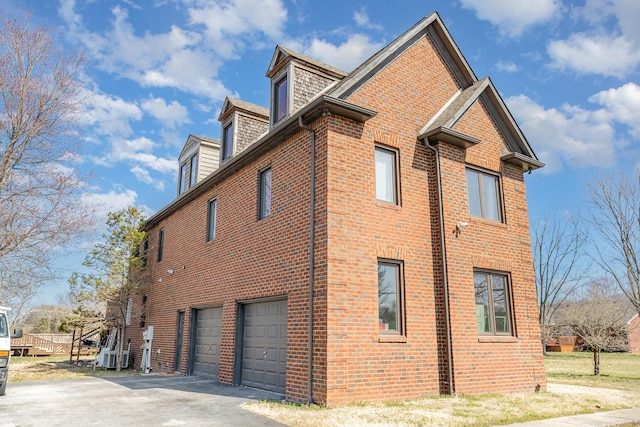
<point x="386" y="160"/>
<point x="280" y="99"/>
<point x="211" y="219"/>
<point x="193" y="176"/>
<point x="183" y="178"/>
<point x="483" y="192"/>
<point x="227" y="141"/>
<point x="264" y="193"/>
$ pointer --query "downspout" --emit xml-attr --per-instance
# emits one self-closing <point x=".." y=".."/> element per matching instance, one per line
<point x="445" y="281"/>
<point x="312" y="235"/>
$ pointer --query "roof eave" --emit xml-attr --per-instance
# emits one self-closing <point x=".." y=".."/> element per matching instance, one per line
<point x="525" y="162"/>
<point x="450" y="136"/>
<point x="321" y="106"/>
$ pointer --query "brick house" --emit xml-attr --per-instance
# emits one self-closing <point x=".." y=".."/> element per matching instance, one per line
<point x="364" y="239"/>
<point x="633" y="331"/>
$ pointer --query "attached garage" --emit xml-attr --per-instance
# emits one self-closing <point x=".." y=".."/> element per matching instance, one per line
<point x="264" y="345"/>
<point x="205" y="360"/>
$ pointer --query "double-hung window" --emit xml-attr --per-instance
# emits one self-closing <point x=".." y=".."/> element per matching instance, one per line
<point x="493" y="310"/>
<point x="386" y="160"/>
<point x="280" y="104"/>
<point x="264" y="194"/>
<point x="483" y="192"/>
<point x="211" y="219"/>
<point x="227" y="141"/>
<point x="390" y="297"/>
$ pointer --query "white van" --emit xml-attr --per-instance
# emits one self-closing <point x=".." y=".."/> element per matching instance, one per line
<point x="5" y="348"/>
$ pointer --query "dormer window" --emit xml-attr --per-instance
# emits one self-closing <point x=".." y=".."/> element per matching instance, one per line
<point x="227" y="141"/>
<point x="193" y="177"/>
<point x="183" y="178"/>
<point x="280" y="99"/>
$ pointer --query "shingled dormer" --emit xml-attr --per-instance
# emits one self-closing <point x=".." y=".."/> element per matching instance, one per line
<point x="295" y="80"/>
<point x="199" y="157"/>
<point x="242" y="123"/>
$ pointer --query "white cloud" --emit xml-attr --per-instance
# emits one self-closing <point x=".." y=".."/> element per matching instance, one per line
<point x="601" y="49"/>
<point x="514" y="17"/>
<point x="507" y="66"/>
<point x="169" y="114"/>
<point x="138" y="151"/>
<point x="362" y="20"/>
<point x="229" y="24"/>
<point x="604" y="54"/>
<point x="111" y="201"/>
<point x="570" y="135"/>
<point x="110" y="115"/>
<point x="346" y="56"/>
<point x="623" y="104"/>
<point x="143" y="175"/>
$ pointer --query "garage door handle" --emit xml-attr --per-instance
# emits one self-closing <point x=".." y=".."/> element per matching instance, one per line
<point x="264" y="353"/>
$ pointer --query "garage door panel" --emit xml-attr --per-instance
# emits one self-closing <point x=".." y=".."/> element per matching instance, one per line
<point x="206" y="360"/>
<point x="265" y="345"/>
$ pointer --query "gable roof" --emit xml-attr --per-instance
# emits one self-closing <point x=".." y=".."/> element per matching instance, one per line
<point x="484" y="91"/>
<point x="430" y="26"/>
<point x="231" y="103"/>
<point x="192" y="140"/>
<point x="282" y="55"/>
<point x="471" y="90"/>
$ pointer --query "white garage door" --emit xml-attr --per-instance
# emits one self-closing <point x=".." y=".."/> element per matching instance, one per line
<point x="264" y="351"/>
<point x="206" y="361"/>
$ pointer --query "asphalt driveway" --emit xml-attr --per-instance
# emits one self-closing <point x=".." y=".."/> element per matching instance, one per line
<point x="148" y="400"/>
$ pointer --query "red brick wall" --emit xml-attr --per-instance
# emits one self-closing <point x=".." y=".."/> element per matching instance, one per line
<point x="634" y="335"/>
<point x="253" y="259"/>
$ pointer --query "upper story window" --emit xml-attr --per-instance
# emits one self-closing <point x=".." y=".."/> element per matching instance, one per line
<point x="160" y="244"/>
<point x="264" y="194"/>
<point x="387" y="175"/>
<point x="483" y="191"/>
<point x="390" y="291"/>
<point x="183" y="178"/>
<point x="493" y="311"/>
<point x="211" y="219"/>
<point x="227" y="141"/>
<point x="280" y="101"/>
<point x="193" y="176"/>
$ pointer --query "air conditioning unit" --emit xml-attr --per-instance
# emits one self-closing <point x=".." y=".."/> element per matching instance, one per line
<point x="125" y="359"/>
<point x="109" y="359"/>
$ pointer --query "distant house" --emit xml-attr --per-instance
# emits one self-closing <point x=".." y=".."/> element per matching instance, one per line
<point x="365" y="238"/>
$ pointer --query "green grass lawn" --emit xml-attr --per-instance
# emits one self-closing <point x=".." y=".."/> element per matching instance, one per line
<point x="617" y="370"/>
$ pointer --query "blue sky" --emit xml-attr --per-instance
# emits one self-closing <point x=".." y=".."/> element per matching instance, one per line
<point x="160" y="69"/>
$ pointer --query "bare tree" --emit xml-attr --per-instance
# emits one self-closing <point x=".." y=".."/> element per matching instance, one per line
<point x="616" y="221"/>
<point x="119" y="275"/>
<point x="599" y="318"/>
<point x="39" y="193"/>
<point x="558" y="246"/>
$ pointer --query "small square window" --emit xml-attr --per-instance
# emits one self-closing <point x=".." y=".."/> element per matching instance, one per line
<point x="211" y="219"/>
<point x="483" y="192"/>
<point x="227" y="141"/>
<point x="193" y="177"/>
<point x="493" y="310"/>
<point x="264" y="198"/>
<point x="386" y="175"/>
<point x="160" y="244"/>
<point x="280" y="104"/>
<point x="390" y="297"/>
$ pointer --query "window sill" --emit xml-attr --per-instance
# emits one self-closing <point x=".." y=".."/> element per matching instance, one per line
<point x="388" y="205"/>
<point x="491" y="222"/>
<point x="497" y="339"/>
<point x="392" y="338"/>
